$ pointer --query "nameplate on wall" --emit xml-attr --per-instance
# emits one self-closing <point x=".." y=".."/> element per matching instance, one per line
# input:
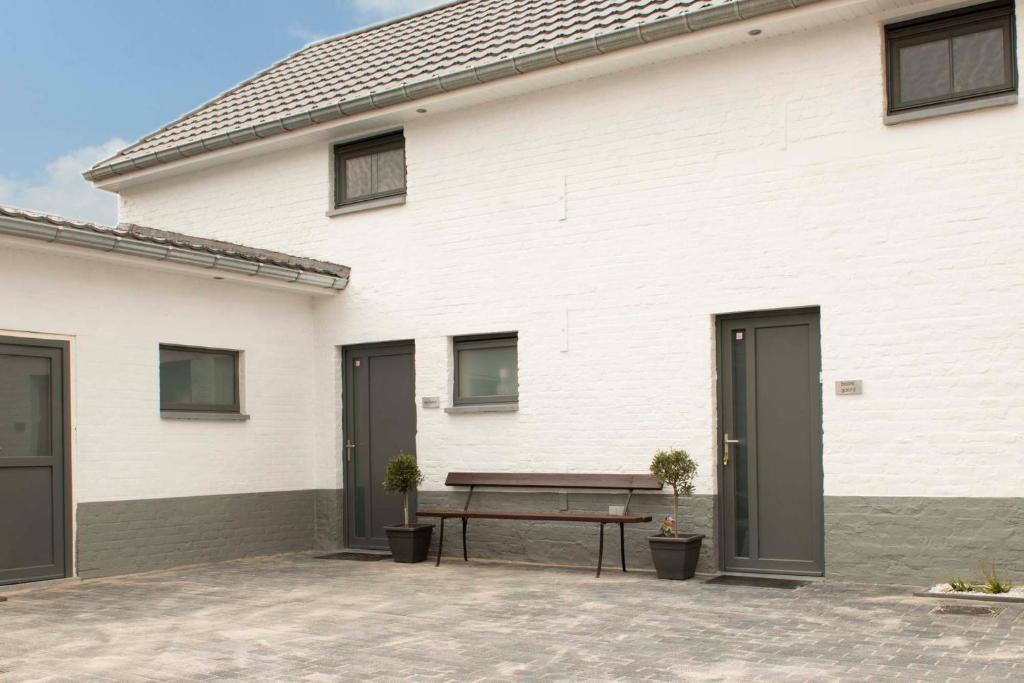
<point x="849" y="387"/>
<point x="431" y="402"/>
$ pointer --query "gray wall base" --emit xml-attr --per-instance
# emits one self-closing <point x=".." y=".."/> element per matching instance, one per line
<point x="329" y="534"/>
<point x="922" y="541"/>
<point x="568" y="543"/>
<point x="918" y="541"/>
<point x="121" y="537"/>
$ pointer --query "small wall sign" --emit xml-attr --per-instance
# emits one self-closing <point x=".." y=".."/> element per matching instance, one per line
<point x="431" y="402"/>
<point x="849" y="387"/>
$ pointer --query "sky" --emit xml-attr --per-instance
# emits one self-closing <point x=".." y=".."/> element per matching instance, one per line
<point x="80" y="79"/>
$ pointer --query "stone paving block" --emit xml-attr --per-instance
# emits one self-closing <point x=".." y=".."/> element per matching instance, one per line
<point x="293" y="617"/>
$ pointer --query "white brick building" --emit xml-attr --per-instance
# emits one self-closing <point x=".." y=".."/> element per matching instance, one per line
<point x="615" y="212"/>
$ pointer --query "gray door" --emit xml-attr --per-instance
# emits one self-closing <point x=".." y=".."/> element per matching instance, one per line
<point x="33" y="461"/>
<point x="772" y="519"/>
<point x="380" y="423"/>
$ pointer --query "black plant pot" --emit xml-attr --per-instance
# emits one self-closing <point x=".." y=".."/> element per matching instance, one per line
<point x="675" y="557"/>
<point x="409" y="543"/>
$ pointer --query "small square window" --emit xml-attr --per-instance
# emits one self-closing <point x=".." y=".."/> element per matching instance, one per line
<point x="199" y="380"/>
<point x="951" y="57"/>
<point x="486" y="369"/>
<point x="369" y="169"/>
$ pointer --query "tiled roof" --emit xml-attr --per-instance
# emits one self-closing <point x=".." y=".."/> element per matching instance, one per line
<point x="163" y="245"/>
<point x="456" y="45"/>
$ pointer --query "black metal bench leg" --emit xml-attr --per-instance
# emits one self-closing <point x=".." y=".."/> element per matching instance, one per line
<point x="465" y="553"/>
<point x="440" y="544"/>
<point x="622" y="544"/>
<point x="600" y="551"/>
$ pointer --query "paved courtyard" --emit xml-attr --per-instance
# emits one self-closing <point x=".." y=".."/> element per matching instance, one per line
<point x="295" y="617"/>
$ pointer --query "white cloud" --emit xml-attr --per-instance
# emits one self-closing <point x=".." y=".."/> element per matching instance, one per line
<point x="63" y="191"/>
<point x="306" y="35"/>
<point x="385" y="9"/>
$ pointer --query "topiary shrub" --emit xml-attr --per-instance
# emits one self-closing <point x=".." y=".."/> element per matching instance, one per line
<point x="403" y="475"/>
<point x="674" y="468"/>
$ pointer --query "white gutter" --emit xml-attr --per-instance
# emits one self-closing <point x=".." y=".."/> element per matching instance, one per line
<point x="709" y="15"/>
<point x="130" y="246"/>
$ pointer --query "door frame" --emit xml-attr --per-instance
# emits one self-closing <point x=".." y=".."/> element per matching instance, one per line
<point x="63" y="345"/>
<point x="720" y="513"/>
<point x="346" y="428"/>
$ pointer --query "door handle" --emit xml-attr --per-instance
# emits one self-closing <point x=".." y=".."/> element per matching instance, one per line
<point x="725" y="448"/>
<point x="348" y="449"/>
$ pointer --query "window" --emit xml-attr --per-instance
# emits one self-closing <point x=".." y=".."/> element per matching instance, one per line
<point x="199" y="380"/>
<point x="486" y="369"/>
<point x="951" y="57"/>
<point x="369" y="169"/>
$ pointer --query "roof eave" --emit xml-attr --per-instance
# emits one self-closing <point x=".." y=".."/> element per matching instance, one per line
<point x="124" y="244"/>
<point x="691" y="21"/>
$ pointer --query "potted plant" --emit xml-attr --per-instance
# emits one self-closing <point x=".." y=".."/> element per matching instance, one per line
<point x="675" y="555"/>
<point x="409" y="542"/>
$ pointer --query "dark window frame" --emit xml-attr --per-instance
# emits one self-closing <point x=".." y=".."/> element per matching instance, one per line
<point x="351" y="150"/>
<point x="236" y="405"/>
<point x="949" y="25"/>
<point x="483" y="341"/>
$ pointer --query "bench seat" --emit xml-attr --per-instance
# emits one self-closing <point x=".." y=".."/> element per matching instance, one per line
<point x="546" y="480"/>
<point x="535" y="516"/>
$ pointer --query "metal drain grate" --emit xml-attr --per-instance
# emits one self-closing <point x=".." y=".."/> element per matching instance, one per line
<point x="358" y="557"/>
<point x="967" y="610"/>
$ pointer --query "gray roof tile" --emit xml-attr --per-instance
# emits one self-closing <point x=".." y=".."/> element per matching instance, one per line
<point x="430" y="45"/>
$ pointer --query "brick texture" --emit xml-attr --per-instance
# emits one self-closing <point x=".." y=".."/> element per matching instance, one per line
<point x="117" y="315"/>
<point x="123" y="537"/>
<point x="567" y="543"/>
<point x="923" y="541"/>
<point x="609" y="220"/>
<point x="329" y="517"/>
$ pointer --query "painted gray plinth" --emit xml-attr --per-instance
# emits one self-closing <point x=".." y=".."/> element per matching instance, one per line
<point x="922" y="541"/>
<point x="328" y="531"/>
<point x="570" y="543"/>
<point x="121" y="537"/>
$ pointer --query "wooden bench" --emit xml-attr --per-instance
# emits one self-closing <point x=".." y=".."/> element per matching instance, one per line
<point x="625" y="482"/>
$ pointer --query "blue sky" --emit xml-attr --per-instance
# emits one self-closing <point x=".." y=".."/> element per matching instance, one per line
<point x="79" y="79"/>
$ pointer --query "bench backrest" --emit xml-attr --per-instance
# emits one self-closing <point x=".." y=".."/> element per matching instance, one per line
<point x="639" y="482"/>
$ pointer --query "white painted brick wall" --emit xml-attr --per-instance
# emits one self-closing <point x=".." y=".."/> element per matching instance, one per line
<point x="754" y="177"/>
<point x="118" y="315"/>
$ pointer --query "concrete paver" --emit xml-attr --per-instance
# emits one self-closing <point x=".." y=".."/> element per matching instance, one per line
<point x="296" y="617"/>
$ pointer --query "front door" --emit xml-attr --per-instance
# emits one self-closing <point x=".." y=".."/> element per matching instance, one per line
<point x="33" y="461"/>
<point x="770" y="451"/>
<point x="380" y="423"/>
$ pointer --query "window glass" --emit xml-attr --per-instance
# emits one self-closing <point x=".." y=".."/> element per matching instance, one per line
<point x="25" y="421"/>
<point x="197" y="379"/>
<point x="358" y="177"/>
<point x="370" y="169"/>
<point x="486" y="370"/>
<point x="391" y="170"/>
<point x="951" y="57"/>
<point x="924" y="71"/>
<point x="978" y="60"/>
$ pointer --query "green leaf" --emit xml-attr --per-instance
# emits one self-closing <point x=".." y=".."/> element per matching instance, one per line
<point x="402" y="474"/>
